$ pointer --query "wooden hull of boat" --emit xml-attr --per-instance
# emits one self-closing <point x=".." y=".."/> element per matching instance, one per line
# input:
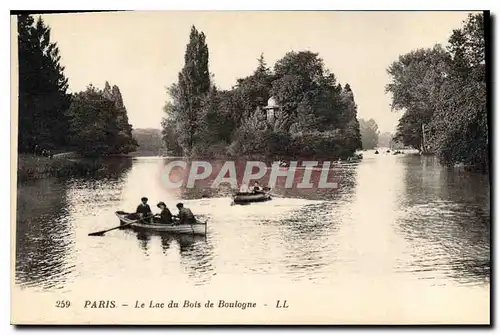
<point x="197" y="229"/>
<point x="251" y="197"/>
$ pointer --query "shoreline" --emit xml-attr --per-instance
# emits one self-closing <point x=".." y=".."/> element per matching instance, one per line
<point x="65" y="164"/>
<point x="31" y="167"/>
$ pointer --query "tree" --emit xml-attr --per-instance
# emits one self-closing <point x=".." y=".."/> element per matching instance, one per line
<point x="251" y="92"/>
<point x="249" y="137"/>
<point x="190" y="91"/>
<point x="96" y="127"/>
<point x="308" y="94"/>
<point x="124" y="140"/>
<point x="311" y="106"/>
<point x="417" y="78"/>
<point x="149" y="140"/>
<point x="43" y="98"/>
<point x="369" y="133"/>
<point x="352" y="131"/>
<point x="298" y="85"/>
<point x="313" y="102"/>
<point x="459" y="131"/>
<point x="305" y="64"/>
<point x="445" y="90"/>
<point x="409" y="130"/>
<point x="169" y="137"/>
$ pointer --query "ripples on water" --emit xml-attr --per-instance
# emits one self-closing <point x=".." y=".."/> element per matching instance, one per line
<point x="392" y="217"/>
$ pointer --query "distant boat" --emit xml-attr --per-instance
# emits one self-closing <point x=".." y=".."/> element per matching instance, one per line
<point x="248" y="197"/>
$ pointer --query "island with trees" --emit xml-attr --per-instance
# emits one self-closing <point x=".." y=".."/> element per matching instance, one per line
<point x="297" y="109"/>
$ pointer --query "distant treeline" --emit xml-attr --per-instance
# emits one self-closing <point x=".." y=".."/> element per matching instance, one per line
<point x="315" y="116"/>
<point x="442" y="93"/>
<point x="150" y="142"/>
<point x="93" y="122"/>
<point x="369" y="133"/>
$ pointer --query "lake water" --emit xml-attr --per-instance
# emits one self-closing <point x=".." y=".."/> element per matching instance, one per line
<point x="400" y="234"/>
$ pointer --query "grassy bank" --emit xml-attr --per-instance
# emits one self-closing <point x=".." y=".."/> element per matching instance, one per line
<point x="34" y="167"/>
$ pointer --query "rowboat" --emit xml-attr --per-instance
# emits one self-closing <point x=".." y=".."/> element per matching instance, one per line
<point x="199" y="228"/>
<point x="248" y="197"/>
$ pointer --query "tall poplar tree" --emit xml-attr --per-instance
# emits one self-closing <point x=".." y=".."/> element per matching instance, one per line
<point x="352" y="126"/>
<point x="191" y="91"/>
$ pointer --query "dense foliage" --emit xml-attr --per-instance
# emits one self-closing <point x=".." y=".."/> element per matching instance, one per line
<point x="99" y="124"/>
<point x="149" y="140"/>
<point x="315" y="116"/>
<point x="445" y="90"/>
<point x="369" y="133"/>
<point x="43" y="97"/>
<point x="93" y="122"/>
<point x="189" y="95"/>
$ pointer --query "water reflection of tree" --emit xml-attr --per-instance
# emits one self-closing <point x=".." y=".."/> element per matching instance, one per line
<point x="306" y="232"/>
<point x="102" y="188"/>
<point x="343" y="175"/>
<point x="112" y="169"/>
<point x="43" y="234"/>
<point x="447" y="218"/>
<point x="196" y="256"/>
<point x="44" y="225"/>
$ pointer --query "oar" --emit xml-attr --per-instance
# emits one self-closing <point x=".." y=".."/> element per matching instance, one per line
<point x="101" y="233"/>
<point x="267" y="189"/>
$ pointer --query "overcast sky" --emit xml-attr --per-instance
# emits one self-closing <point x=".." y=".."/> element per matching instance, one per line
<point x="142" y="52"/>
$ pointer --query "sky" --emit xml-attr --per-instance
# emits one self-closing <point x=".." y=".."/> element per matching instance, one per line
<point x="143" y="52"/>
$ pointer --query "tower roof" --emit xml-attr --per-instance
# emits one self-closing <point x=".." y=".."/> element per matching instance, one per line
<point x="271" y="103"/>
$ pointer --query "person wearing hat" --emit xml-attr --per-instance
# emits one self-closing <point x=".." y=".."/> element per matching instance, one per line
<point x="256" y="187"/>
<point x="185" y="215"/>
<point x="143" y="209"/>
<point x="165" y="215"/>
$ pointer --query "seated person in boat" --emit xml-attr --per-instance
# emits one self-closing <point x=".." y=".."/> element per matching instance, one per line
<point x="256" y="187"/>
<point x="244" y="188"/>
<point x="143" y="209"/>
<point x="283" y="164"/>
<point x="185" y="215"/>
<point x="165" y="215"/>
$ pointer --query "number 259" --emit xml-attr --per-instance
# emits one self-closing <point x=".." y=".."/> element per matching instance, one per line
<point x="63" y="303"/>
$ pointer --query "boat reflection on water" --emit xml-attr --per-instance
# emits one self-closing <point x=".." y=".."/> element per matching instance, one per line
<point x="185" y="241"/>
<point x="196" y="251"/>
